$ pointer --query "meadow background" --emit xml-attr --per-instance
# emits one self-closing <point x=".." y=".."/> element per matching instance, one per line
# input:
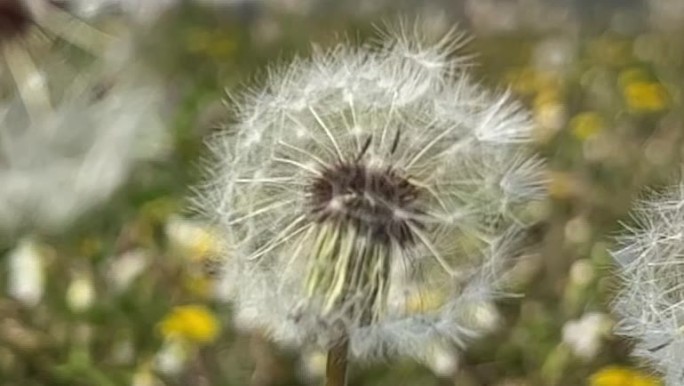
<point x="126" y="294"/>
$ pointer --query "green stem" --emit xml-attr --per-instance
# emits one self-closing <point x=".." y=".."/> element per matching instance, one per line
<point x="337" y="363"/>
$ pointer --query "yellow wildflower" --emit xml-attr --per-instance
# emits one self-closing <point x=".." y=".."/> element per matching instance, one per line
<point x="622" y="376"/>
<point x="645" y="96"/>
<point x="192" y="323"/>
<point x="585" y="125"/>
<point x="561" y="185"/>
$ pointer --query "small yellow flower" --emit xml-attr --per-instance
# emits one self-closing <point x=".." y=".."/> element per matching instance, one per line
<point x="192" y="323"/>
<point x="622" y="376"/>
<point x="645" y="96"/>
<point x="585" y="125"/>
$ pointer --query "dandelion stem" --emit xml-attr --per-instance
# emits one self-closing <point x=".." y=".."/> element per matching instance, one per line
<point x="336" y="366"/>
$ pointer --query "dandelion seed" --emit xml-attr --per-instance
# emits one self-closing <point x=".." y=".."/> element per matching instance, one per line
<point x="358" y="174"/>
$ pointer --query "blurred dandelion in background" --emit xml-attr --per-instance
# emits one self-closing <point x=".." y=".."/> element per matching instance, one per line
<point x="35" y="38"/>
<point x="362" y="180"/>
<point x="74" y="128"/>
<point x="56" y="165"/>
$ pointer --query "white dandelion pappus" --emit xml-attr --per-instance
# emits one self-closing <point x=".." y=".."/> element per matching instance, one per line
<point x="361" y="179"/>
<point x="650" y="305"/>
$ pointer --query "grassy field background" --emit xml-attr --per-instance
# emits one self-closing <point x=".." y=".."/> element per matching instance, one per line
<point x="127" y="291"/>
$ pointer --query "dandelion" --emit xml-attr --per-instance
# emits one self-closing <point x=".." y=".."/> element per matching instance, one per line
<point x="362" y="177"/>
<point x="621" y="376"/>
<point x="75" y="119"/>
<point x="651" y="303"/>
<point x="190" y="323"/>
<point x="646" y="97"/>
<point x="60" y="163"/>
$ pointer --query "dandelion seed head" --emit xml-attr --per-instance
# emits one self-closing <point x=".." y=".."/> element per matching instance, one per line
<point x="361" y="179"/>
<point x="650" y="304"/>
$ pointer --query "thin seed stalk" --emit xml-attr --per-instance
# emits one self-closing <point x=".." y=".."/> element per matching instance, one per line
<point x="350" y="269"/>
<point x="337" y="363"/>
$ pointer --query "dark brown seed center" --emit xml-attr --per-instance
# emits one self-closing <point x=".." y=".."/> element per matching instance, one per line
<point x="14" y="19"/>
<point x="377" y="201"/>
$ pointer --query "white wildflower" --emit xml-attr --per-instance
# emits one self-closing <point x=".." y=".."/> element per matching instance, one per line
<point x="145" y="377"/>
<point x="124" y="269"/>
<point x="80" y="293"/>
<point x="651" y="302"/>
<point x="26" y="279"/>
<point x="171" y="358"/>
<point x="443" y="360"/>
<point x="584" y="336"/>
<point x="359" y="173"/>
